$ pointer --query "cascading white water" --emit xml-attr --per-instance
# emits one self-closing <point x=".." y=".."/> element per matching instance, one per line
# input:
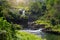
<point x="36" y="32"/>
<point x="23" y="12"/>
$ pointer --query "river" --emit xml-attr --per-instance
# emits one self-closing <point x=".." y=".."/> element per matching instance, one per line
<point x="43" y="35"/>
<point x="36" y="32"/>
<point x="39" y="33"/>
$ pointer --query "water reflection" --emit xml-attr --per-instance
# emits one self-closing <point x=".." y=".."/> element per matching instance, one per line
<point x="52" y="37"/>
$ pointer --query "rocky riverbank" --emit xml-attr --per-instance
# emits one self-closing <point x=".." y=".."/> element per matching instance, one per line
<point x="49" y="30"/>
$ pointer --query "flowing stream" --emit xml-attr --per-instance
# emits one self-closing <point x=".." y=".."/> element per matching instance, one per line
<point x="39" y="33"/>
<point x="36" y="32"/>
<point x="43" y="35"/>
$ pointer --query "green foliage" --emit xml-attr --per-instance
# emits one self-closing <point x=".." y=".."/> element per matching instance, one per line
<point x="6" y="29"/>
<point x="4" y="5"/>
<point x="7" y="32"/>
<point x="51" y="15"/>
<point x="17" y="27"/>
<point x="26" y="36"/>
<point x="47" y="13"/>
<point x="45" y="22"/>
<point x="36" y="8"/>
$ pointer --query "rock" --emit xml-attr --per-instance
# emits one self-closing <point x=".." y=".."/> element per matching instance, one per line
<point x="49" y="30"/>
<point x="35" y="26"/>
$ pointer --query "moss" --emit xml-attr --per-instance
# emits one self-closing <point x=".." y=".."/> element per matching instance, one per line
<point x="26" y="36"/>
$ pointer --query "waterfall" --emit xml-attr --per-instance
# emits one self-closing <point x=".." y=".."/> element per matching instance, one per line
<point x="23" y="12"/>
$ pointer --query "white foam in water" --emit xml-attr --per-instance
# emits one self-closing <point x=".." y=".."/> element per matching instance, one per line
<point x="37" y="32"/>
<point x="23" y="12"/>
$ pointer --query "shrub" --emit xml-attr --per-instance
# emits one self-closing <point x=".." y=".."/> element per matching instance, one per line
<point x="7" y="32"/>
